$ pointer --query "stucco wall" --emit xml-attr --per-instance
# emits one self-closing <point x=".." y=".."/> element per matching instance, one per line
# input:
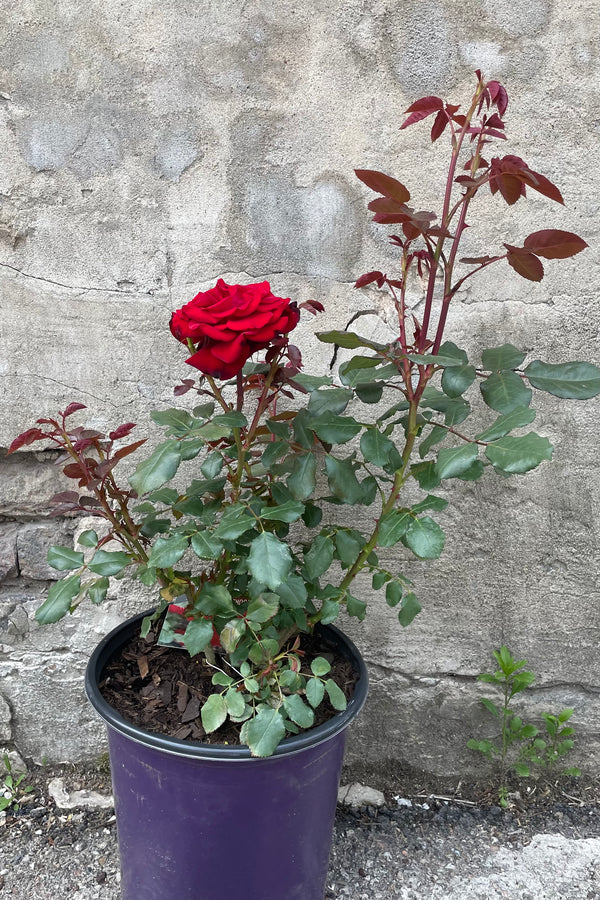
<point x="151" y="147"/>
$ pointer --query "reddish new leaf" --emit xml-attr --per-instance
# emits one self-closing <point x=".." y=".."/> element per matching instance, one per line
<point x="525" y="263"/>
<point x="515" y="166"/>
<point x="477" y="260"/>
<point x="437" y="129"/>
<point x="72" y="408"/>
<point x="498" y="96"/>
<point x="130" y="448"/>
<point x="422" y="108"/>
<point x="389" y="205"/>
<point x="554" y="244"/>
<point x="509" y="186"/>
<point x="186" y="385"/>
<point x="494" y="121"/>
<point x="312" y="306"/>
<point x="65" y="497"/>
<point x="383" y="184"/>
<point x="27" y="437"/>
<point x="369" y="278"/>
<point x="122" y="431"/>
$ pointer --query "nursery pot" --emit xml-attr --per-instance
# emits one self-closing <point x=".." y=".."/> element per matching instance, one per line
<point x="209" y="822"/>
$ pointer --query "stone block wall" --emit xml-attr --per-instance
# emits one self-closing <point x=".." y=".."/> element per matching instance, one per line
<point x="152" y="147"/>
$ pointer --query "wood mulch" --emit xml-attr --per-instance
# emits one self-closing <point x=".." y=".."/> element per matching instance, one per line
<point x="162" y="689"/>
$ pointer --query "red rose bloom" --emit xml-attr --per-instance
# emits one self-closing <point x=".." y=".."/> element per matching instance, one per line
<point x="229" y="323"/>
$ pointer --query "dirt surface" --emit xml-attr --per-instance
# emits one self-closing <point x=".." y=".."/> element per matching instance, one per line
<point x="419" y="846"/>
<point x="162" y="689"/>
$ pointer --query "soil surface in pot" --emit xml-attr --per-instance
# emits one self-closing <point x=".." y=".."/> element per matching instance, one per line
<point x="162" y="689"/>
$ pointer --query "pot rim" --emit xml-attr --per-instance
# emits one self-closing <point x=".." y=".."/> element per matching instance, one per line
<point x="219" y="752"/>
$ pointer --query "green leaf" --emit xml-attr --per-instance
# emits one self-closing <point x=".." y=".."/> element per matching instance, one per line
<point x="287" y="512"/>
<point x="234" y="522"/>
<point x="262" y="609"/>
<point x="348" y="545"/>
<point x="62" y="558"/>
<point x="572" y="380"/>
<point x="504" y="357"/>
<point x="280" y="429"/>
<point x="315" y="691"/>
<point x="198" y="636"/>
<point x="269" y="561"/>
<point x="312" y="382"/>
<point x="336" y="695"/>
<point x="213" y="713"/>
<point x="97" y="590"/>
<point x="435" y="436"/>
<point x="166" y="552"/>
<point x="330" y="610"/>
<point x="517" y="455"/>
<point x="369" y="393"/>
<point x="106" y="563"/>
<point x="456" y="379"/>
<point x="518" y="418"/>
<point x="159" y="468"/>
<point x="376" y="447"/>
<point x="505" y="391"/>
<point x="409" y="609"/>
<point x="214" y="600"/>
<point x="357" y="363"/>
<point x="335" y="429"/>
<point x="379" y="579"/>
<point x="393" y="593"/>
<point x="425" y="538"/>
<point x="474" y="471"/>
<point x="450" y="349"/>
<point x="319" y="556"/>
<point x="348" y="340"/>
<point x="455" y="410"/>
<point x="436" y="359"/>
<point x="320" y="666"/>
<point x="58" y="602"/>
<point x="88" y="538"/>
<point x="343" y="483"/>
<point x="332" y="400"/>
<point x="274" y="451"/>
<point x="204" y="411"/>
<point x="231" y="633"/>
<point x="356" y="607"/>
<point x="212" y="465"/>
<point x="292" y="592"/>
<point x="365" y="377"/>
<point x="231" y="419"/>
<point x="302" y="479"/>
<point x="264" y="732"/>
<point x="426" y="475"/>
<point x="178" y="421"/>
<point x="235" y="703"/>
<point x="392" y="527"/>
<point x="429" y="502"/>
<point x="206" y="546"/>
<point x="491" y="707"/>
<point x="453" y="461"/>
<point x="298" y="711"/>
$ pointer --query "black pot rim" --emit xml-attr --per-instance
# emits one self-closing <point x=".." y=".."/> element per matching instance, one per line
<point x="221" y="752"/>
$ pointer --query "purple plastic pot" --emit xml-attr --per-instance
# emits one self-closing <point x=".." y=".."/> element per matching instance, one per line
<point x="207" y="821"/>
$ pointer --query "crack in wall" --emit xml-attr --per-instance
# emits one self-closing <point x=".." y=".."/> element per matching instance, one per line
<point x="73" y="287"/>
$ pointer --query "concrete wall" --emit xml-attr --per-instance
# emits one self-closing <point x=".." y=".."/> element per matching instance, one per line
<point x="151" y="147"/>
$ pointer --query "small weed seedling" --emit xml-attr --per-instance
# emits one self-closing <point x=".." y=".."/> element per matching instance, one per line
<point x="11" y="791"/>
<point x="521" y="746"/>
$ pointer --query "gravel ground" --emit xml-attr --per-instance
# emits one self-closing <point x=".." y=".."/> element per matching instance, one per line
<point x="432" y="849"/>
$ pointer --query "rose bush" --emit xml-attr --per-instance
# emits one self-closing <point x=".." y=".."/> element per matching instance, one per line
<point x="229" y="323"/>
<point x="263" y="512"/>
